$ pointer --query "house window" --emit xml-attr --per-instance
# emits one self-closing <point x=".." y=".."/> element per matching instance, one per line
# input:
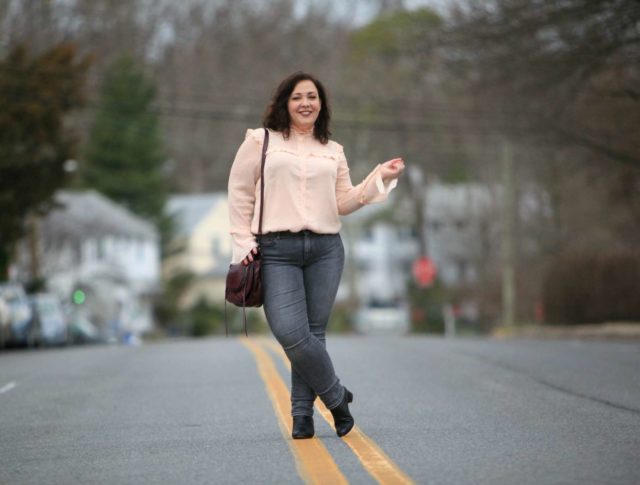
<point x="462" y="270"/>
<point x="100" y="249"/>
<point x="215" y="247"/>
<point x="140" y="249"/>
<point x="407" y="232"/>
<point x="407" y="267"/>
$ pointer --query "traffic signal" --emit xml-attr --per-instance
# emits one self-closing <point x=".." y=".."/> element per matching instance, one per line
<point x="79" y="297"/>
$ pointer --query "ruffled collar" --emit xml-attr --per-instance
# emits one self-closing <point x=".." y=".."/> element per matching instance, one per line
<point x="300" y="132"/>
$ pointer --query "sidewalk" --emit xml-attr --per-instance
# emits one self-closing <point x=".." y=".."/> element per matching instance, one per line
<point x="603" y="331"/>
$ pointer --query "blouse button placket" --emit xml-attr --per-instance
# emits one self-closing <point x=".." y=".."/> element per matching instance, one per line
<point x="305" y="195"/>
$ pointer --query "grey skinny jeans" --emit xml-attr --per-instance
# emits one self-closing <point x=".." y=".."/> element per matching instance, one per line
<point x="300" y="274"/>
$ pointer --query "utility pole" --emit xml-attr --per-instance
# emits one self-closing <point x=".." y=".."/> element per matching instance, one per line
<point x="418" y="190"/>
<point x="33" y="235"/>
<point x="508" y="236"/>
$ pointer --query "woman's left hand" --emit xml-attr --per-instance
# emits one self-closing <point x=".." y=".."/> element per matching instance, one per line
<point x="392" y="169"/>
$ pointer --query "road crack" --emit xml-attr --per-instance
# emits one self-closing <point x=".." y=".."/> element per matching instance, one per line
<point x="549" y="384"/>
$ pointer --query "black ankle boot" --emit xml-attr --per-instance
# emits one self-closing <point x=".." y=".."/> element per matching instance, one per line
<point x="341" y="416"/>
<point x="302" y="427"/>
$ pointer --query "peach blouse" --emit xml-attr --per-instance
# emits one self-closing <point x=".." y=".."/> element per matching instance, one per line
<point x="307" y="186"/>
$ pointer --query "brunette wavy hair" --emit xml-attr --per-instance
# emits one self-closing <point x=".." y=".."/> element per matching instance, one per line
<point x="277" y="115"/>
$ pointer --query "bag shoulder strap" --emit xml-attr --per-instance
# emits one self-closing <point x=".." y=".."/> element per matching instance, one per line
<point x="265" y="144"/>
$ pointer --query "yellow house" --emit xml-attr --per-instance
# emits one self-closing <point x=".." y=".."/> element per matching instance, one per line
<point x="201" y="244"/>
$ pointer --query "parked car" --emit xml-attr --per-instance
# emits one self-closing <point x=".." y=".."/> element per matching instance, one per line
<point x="383" y="318"/>
<point x="48" y="325"/>
<point x="17" y="332"/>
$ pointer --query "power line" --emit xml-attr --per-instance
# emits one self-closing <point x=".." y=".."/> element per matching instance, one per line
<point x="468" y="122"/>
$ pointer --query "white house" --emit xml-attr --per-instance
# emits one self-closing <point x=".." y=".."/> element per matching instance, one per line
<point x="462" y="229"/>
<point x="383" y="254"/>
<point x="463" y="224"/>
<point x="91" y="242"/>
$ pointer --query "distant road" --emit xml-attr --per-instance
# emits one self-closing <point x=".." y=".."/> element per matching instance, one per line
<point x="428" y="410"/>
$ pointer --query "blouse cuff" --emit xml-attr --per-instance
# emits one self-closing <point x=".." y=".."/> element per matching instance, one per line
<point x="242" y="249"/>
<point x="376" y="190"/>
<point x="382" y="188"/>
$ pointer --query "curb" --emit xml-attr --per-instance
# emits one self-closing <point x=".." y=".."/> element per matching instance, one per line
<point x="602" y="331"/>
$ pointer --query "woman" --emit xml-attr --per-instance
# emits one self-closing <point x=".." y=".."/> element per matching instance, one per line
<point x="307" y="187"/>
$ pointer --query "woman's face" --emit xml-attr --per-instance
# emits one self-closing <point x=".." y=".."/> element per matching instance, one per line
<point x="304" y="105"/>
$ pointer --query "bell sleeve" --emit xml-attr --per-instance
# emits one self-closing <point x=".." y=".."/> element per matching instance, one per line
<point x="244" y="174"/>
<point x="371" y="190"/>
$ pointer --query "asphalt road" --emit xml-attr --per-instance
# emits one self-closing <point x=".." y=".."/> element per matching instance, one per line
<point x="441" y="411"/>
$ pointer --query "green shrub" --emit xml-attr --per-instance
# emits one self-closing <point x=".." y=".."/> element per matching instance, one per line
<point x="426" y="306"/>
<point x="205" y="318"/>
<point x="341" y="320"/>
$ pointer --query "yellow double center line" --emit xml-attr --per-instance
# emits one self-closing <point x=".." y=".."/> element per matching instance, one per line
<point x="314" y="463"/>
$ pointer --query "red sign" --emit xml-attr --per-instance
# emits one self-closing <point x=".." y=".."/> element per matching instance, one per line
<point x="424" y="271"/>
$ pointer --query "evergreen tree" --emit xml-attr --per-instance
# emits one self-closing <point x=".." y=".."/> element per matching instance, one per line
<point x="125" y="153"/>
<point x="36" y="92"/>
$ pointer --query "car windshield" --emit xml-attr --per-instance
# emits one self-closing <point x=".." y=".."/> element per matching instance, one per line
<point x="10" y="295"/>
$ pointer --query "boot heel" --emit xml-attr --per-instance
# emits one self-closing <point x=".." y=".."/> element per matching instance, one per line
<point x="342" y="418"/>
<point x="302" y="427"/>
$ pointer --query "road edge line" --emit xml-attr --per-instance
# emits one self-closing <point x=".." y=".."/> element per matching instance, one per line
<point x="7" y="387"/>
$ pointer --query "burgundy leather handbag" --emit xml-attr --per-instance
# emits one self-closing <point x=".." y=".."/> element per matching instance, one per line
<point x="244" y="283"/>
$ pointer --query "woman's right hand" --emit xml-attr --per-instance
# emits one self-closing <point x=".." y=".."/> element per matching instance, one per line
<point x="392" y="169"/>
<point x="249" y="258"/>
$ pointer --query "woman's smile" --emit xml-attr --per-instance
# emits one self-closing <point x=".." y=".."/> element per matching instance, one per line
<point x="304" y="105"/>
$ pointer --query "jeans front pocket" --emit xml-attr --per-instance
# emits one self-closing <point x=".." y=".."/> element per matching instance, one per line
<point x="267" y="241"/>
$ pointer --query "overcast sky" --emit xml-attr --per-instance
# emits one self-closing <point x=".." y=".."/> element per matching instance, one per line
<point x="362" y="11"/>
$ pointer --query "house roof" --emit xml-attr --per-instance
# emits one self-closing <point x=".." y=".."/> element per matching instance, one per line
<point x="450" y="200"/>
<point x="89" y="213"/>
<point x="188" y="210"/>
